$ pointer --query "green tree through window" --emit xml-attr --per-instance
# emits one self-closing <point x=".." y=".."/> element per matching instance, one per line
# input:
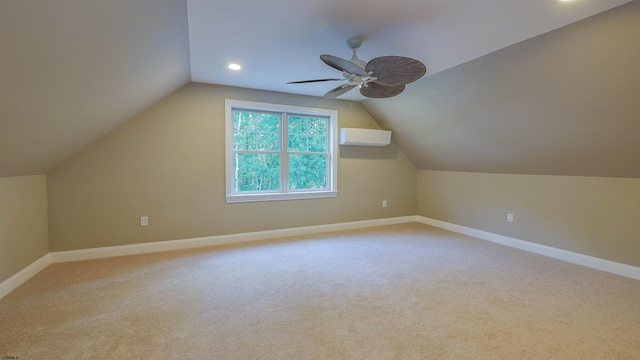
<point x="256" y="145"/>
<point x="280" y="152"/>
<point x="307" y="148"/>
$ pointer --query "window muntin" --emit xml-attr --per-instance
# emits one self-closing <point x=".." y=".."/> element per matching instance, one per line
<point x="279" y="152"/>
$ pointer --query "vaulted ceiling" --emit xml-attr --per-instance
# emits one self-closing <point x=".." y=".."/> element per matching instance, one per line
<point x="73" y="70"/>
<point x="512" y="86"/>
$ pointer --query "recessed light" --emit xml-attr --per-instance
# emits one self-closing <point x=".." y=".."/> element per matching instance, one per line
<point x="235" y="67"/>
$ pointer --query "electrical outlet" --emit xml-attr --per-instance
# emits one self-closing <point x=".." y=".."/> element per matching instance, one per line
<point x="509" y="217"/>
<point x="144" y="221"/>
<point x="384" y="203"/>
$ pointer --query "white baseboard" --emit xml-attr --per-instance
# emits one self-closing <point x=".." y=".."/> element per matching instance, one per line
<point x="110" y="251"/>
<point x="104" y="252"/>
<point x="23" y="275"/>
<point x="143" y="248"/>
<point x="564" y="255"/>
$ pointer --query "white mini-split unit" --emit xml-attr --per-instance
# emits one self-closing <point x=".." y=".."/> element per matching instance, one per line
<point x="364" y="137"/>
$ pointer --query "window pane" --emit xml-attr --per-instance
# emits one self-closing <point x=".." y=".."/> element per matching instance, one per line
<point x="244" y="121"/>
<point x="256" y="131"/>
<point x="256" y="172"/>
<point x="297" y="143"/>
<point x="267" y="141"/>
<point x="317" y="143"/>
<point x="307" y="171"/>
<point x="307" y="134"/>
<point x="244" y="140"/>
<point x="297" y="125"/>
<point x="317" y="126"/>
<point x="269" y="122"/>
<point x="304" y="143"/>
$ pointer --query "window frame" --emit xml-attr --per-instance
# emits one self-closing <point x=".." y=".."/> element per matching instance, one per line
<point x="331" y="190"/>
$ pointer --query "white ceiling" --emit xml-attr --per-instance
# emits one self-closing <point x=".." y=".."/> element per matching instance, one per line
<point x="278" y="41"/>
<point x="73" y="70"/>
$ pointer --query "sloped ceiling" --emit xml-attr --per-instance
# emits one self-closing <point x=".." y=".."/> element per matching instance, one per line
<point x="72" y="70"/>
<point x="564" y="103"/>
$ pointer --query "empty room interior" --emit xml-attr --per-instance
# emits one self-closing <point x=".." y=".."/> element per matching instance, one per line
<point x="322" y="179"/>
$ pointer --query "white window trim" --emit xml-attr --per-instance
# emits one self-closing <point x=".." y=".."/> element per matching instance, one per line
<point x="332" y="188"/>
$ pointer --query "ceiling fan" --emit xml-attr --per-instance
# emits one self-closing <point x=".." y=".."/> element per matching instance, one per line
<point x="382" y="77"/>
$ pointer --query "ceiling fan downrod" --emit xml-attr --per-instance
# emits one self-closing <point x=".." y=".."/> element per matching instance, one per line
<point x="354" y="43"/>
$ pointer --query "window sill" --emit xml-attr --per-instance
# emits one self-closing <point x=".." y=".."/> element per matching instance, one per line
<point x="230" y="199"/>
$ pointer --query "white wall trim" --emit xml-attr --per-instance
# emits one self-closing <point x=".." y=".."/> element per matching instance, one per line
<point x="143" y="248"/>
<point x="560" y="254"/>
<point x="104" y="252"/>
<point x="23" y="275"/>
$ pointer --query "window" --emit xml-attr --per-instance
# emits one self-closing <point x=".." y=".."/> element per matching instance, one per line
<point x="279" y="152"/>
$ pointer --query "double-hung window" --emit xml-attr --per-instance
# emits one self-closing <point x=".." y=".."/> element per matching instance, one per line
<point x="279" y="152"/>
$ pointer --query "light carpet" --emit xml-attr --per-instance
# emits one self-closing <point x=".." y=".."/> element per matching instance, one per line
<point x="406" y="291"/>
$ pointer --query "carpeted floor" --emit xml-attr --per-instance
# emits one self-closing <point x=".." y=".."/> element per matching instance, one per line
<point x="395" y="292"/>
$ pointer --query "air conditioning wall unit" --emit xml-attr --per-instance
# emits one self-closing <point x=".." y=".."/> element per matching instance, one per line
<point x="364" y="137"/>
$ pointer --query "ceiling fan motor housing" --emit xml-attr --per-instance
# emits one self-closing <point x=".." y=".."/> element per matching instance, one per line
<point x="354" y="42"/>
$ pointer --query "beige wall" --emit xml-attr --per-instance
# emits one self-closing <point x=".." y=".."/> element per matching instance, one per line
<point x="588" y="215"/>
<point x="168" y="163"/>
<point x="23" y="222"/>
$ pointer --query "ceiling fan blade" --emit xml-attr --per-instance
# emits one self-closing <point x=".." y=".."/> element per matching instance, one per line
<point x="312" y="81"/>
<point x="338" y="91"/>
<point x="343" y="65"/>
<point x="395" y="70"/>
<point x="377" y="91"/>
